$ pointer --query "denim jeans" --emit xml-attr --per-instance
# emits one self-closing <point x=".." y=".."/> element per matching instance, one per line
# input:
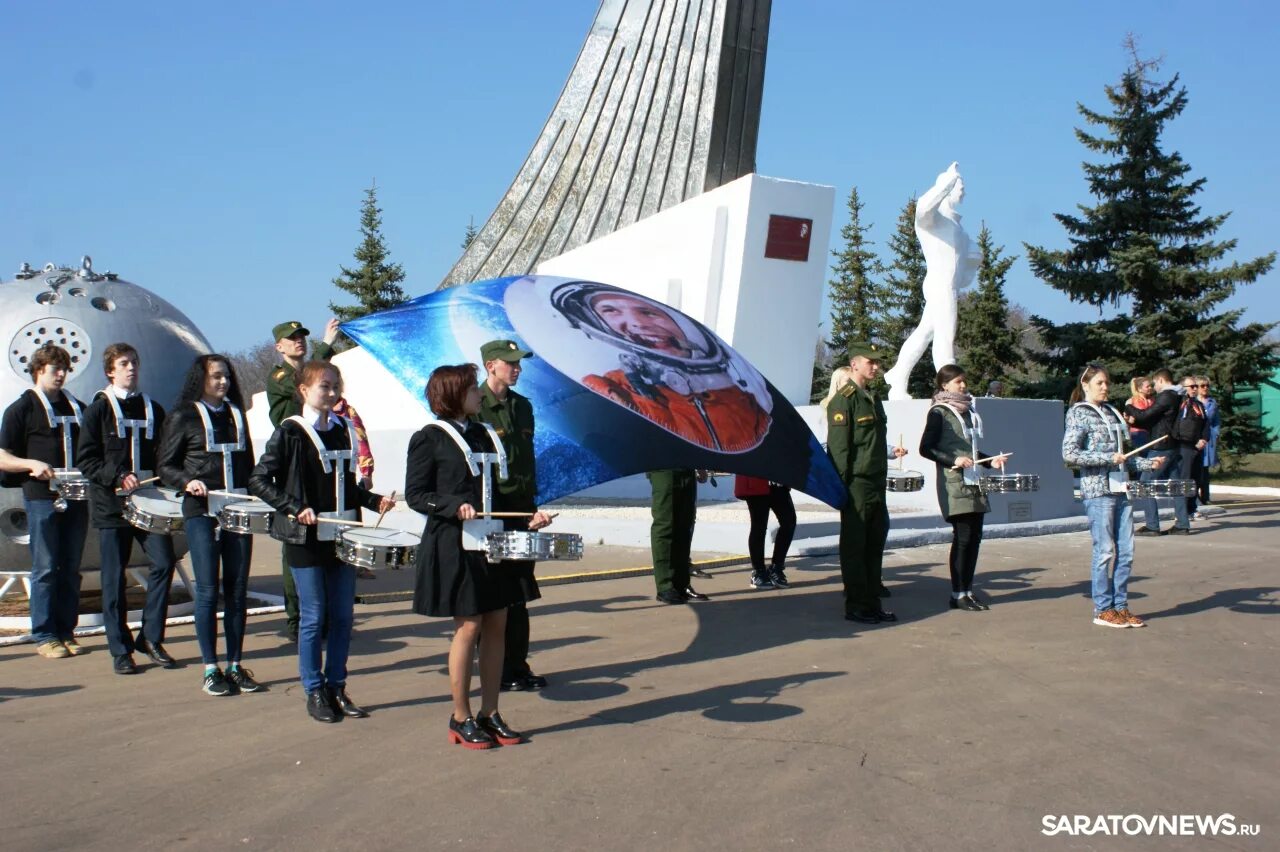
<point x="1172" y="469"/>
<point x="115" y="546"/>
<point x="57" y="543"/>
<point x="233" y="551"/>
<point x="324" y="592"/>
<point x="1111" y="525"/>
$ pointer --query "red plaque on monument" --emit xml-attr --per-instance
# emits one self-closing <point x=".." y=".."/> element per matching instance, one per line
<point x="788" y="238"/>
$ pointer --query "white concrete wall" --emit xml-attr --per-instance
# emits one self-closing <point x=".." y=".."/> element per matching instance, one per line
<point x="705" y="257"/>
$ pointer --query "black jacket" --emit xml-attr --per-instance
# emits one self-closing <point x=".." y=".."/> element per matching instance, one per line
<point x="103" y="457"/>
<point x="182" y="456"/>
<point x="283" y="474"/>
<point x="1160" y="417"/>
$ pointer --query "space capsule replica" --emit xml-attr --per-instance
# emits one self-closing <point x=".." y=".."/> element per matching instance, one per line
<point x="84" y="311"/>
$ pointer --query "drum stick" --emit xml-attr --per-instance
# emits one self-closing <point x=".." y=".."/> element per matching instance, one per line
<point x="987" y="459"/>
<point x="1145" y="446"/>
<point x="342" y="521"/>
<point x="217" y="492"/>
<point x="506" y="515"/>
<point x="900" y="458"/>
<point x="141" y="483"/>
<point x="383" y="513"/>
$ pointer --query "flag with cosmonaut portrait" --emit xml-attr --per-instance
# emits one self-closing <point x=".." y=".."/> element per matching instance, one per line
<point x="620" y="383"/>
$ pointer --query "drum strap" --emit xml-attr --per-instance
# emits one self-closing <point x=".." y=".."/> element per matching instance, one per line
<point x="133" y="426"/>
<point x="475" y="460"/>
<point x="337" y="461"/>
<point x="236" y="446"/>
<point x="62" y="422"/>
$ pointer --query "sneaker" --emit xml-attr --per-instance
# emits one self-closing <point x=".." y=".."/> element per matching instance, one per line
<point x="1130" y="619"/>
<point x="760" y="580"/>
<point x="1199" y="516"/>
<point x="779" y="578"/>
<point x="242" y="679"/>
<point x="216" y="684"/>
<point x="1109" y="618"/>
<point x="1148" y="531"/>
<point x="1180" y="531"/>
<point x="53" y="650"/>
<point x="73" y="647"/>
<point x="695" y="571"/>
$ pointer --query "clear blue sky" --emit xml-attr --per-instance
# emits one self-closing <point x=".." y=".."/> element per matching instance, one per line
<point x="217" y="154"/>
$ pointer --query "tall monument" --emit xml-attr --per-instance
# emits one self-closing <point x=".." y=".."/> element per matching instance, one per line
<point x="951" y="259"/>
<point x="662" y="105"/>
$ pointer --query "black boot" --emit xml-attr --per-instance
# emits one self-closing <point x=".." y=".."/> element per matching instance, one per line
<point x="318" y="706"/>
<point x="343" y="704"/>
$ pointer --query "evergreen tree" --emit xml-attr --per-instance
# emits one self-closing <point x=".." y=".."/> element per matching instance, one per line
<point x="859" y="304"/>
<point x="375" y="283"/>
<point x="983" y="334"/>
<point x="1145" y="250"/>
<point x="906" y="297"/>
<point x="469" y="235"/>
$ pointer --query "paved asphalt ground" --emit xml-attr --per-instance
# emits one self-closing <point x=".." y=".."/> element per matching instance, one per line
<point x="754" y="721"/>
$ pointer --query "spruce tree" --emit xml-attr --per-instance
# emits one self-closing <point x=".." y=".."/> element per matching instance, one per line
<point x="859" y="304"/>
<point x="905" y="286"/>
<point x="989" y="345"/>
<point x="375" y="283"/>
<point x="470" y="234"/>
<point x="1146" y="251"/>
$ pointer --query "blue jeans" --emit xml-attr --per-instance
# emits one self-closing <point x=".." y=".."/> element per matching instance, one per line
<point x="1172" y="469"/>
<point x="57" y="543"/>
<point x="115" y="546"/>
<point x="325" y="595"/>
<point x="1111" y="525"/>
<point x="233" y="551"/>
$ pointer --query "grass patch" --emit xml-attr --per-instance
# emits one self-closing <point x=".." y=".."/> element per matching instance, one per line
<point x="1257" y="469"/>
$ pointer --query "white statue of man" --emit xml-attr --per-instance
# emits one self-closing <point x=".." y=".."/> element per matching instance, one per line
<point x="951" y="259"/>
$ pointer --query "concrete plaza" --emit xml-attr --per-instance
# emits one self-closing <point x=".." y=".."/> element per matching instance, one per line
<point x="754" y="721"/>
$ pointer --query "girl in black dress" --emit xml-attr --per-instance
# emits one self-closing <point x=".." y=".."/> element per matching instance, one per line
<point x="452" y="581"/>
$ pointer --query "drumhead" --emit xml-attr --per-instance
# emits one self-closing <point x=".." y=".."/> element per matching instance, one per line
<point x="157" y="501"/>
<point x="905" y="474"/>
<point x="250" y="507"/>
<point x="380" y="537"/>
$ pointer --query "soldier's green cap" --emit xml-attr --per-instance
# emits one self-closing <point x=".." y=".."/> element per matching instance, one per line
<point x="866" y="349"/>
<point x="502" y="350"/>
<point x="288" y="329"/>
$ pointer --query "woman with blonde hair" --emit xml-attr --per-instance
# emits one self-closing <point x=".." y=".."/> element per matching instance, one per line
<point x="839" y="378"/>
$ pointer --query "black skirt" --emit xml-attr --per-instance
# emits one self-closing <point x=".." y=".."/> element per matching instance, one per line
<point x="453" y="582"/>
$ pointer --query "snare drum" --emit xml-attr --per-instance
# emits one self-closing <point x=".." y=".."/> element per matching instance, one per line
<point x="1009" y="483"/>
<point x="1162" y="488"/>
<point x="154" y="510"/>
<point x="366" y="547"/>
<point x="248" y="517"/>
<point x="903" y="481"/>
<point x="538" y="546"/>
<point x="70" y="485"/>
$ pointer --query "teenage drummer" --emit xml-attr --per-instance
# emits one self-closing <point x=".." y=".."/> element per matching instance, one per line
<point x="443" y="482"/>
<point x="857" y="438"/>
<point x="1094" y="441"/>
<point x="308" y="475"/>
<point x="951" y="430"/>
<point x="37" y="435"/>
<point x="117" y="452"/>
<point x="206" y="446"/>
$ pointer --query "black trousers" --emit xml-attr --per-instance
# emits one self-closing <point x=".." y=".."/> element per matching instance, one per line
<point x="1200" y="476"/>
<point x="778" y="501"/>
<point x="966" y="536"/>
<point x="515" y="662"/>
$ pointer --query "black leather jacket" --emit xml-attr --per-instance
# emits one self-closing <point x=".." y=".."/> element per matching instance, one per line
<point x="280" y="478"/>
<point x="182" y="456"/>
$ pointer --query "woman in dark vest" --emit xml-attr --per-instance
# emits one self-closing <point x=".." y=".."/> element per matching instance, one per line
<point x="950" y="431"/>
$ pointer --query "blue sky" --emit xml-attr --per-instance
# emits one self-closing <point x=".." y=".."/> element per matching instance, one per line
<point x="218" y="154"/>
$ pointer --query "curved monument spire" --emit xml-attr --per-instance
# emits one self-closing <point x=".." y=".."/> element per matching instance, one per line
<point x="663" y="104"/>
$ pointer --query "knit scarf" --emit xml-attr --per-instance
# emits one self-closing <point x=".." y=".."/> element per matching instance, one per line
<point x="959" y="401"/>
